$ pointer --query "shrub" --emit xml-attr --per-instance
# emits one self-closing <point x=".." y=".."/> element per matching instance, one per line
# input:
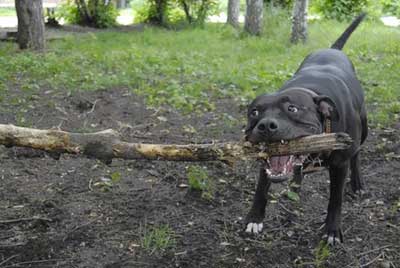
<point x="98" y="14"/>
<point x="391" y="7"/>
<point x="280" y="3"/>
<point x="146" y="11"/>
<point x="197" y="11"/>
<point x="340" y="9"/>
<point x="163" y="12"/>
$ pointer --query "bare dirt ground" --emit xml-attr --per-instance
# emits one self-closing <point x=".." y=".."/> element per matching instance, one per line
<point x="53" y="213"/>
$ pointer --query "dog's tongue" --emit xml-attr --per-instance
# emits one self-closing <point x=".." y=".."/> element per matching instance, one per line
<point x="280" y="164"/>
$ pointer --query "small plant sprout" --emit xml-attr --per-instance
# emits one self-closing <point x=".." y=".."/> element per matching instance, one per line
<point x="199" y="180"/>
<point x="158" y="238"/>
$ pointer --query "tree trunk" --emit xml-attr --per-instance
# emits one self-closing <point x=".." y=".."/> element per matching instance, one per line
<point x="161" y="6"/>
<point x="233" y="13"/>
<point x="186" y="9"/>
<point x="106" y="145"/>
<point x="30" y="24"/>
<point x="254" y="17"/>
<point x="85" y="18"/>
<point x="121" y="4"/>
<point x="299" y="23"/>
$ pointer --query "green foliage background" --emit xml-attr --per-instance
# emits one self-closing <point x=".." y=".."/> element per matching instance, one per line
<point x="340" y="9"/>
<point x="104" y="15"/>
<point x="192" y="68"/>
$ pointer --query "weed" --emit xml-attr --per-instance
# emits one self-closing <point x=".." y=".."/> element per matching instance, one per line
<point x="158" y="239"/>
<point x="321" y="254"/>
<point x="293" y="196"/>
<point x="199" y="180"/>
<point x="105" y="184"/>
<point x="395" y="207"/>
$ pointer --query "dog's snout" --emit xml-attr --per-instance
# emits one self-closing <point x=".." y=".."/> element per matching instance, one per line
<point x="268" y="125"/>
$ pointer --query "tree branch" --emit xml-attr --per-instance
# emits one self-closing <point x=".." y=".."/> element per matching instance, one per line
<point x="107" y="144"/>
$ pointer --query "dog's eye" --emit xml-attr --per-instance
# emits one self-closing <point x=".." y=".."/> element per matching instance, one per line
<point x="254" y="113"/>
<point x="292" y="108"/>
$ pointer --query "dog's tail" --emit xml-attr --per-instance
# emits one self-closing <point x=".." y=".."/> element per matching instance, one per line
<point x="339" y="44"/>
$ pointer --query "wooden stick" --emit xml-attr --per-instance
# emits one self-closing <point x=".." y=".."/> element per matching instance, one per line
<point x="107" y="144"/>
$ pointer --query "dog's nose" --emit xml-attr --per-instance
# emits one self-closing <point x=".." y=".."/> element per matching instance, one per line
<point x="268" y="125"/>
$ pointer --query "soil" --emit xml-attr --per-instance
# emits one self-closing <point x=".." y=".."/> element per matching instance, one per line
<point x="70" y="213"/>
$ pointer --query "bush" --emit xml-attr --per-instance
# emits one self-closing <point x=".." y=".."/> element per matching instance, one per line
<point x="340" y="9"/>
<point x="280" y="3"/>
<point x="69" y="12"/>
<point x="145" y="11"/>
<point x="163" y="12"/>
<point x="197" y="11"/>
<point x="391" y="7"/>
<point x="106" y="16"/>
<point x="99" y="14"/>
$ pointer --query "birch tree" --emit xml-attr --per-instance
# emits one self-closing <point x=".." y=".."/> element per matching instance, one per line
<point x="299" y="22"/>
<point x="233" y="13"/>
<point x="254" y="17"/>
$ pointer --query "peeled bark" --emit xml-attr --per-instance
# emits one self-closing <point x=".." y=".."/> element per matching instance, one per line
<point x="106" y="145"/>
<point x="299" y="23"/>
<point x="233" y="13"/>
<point x="254" y="17"/>
<point x="30" y="24"/>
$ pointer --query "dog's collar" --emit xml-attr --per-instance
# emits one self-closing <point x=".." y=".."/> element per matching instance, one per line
<point x="327" y="121"/>
<point x="327" y="125"/>
<point x="306" y="90"/>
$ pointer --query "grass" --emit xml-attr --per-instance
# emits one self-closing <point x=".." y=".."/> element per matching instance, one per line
<point x="199" y="180"/>
<point x="321" y="254"/>
<point x="7" y="12"/>
<point x="158" y="239"/>
<point x="191" y="68"/>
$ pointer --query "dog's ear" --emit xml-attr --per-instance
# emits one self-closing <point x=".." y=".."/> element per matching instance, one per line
<point x="327" y="107"/>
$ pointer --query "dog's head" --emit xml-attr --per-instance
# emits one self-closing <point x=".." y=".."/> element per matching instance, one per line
<point x="284" y="116"/>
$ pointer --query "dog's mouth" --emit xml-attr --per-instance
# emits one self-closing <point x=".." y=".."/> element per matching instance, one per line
<point x="281" y="168"/>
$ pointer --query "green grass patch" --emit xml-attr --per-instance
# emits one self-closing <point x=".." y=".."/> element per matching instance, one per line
<point x="7" y="12"/>
<point x="158" y="238"/>
<point x="190" y="68"/>
<point x="321" y="254"/>
<point x="199" y="180"/>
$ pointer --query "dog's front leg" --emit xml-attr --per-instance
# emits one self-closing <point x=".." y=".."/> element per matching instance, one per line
<point x="256" y="215"/>
<point x="337" y="174"/>
<point x="298" y="177"/>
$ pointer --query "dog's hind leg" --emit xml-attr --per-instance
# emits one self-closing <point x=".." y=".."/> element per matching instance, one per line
<point x="356" y="180"/>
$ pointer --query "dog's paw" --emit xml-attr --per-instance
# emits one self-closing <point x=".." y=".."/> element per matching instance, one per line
<point x="254" y="228"/>
<point x="334" y="238"/>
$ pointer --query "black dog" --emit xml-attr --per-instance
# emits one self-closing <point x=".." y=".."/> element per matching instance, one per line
<point x="324" y="95"/>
